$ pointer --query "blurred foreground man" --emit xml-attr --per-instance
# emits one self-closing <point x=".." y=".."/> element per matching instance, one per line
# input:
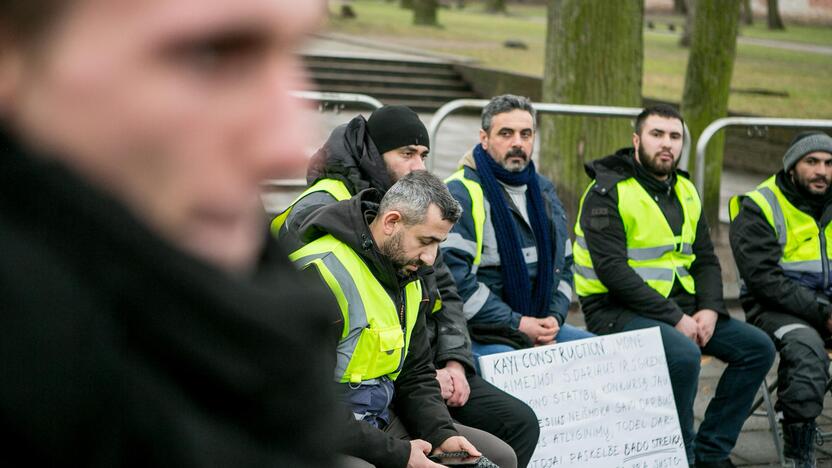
<point x="144" y="313"/>
<point x="781" y="237"/>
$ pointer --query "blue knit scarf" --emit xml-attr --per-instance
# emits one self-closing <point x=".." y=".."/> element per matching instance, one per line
<point x="518" y="291"/>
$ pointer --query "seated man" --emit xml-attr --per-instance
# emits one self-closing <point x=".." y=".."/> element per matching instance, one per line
<point x="510" y="252"/>
<point x="375" y="153"/>
<point x="372" y="257"/>
<point x="779" y="237"/>
<point x="644" y="258"/>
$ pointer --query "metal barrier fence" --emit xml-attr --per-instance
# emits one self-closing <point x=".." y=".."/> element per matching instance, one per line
<point x="719" y="124"/>
<point x="543" y="108"/>
<point x="323" y="99"/>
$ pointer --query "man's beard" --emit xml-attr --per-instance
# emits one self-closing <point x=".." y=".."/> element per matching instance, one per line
<point x="804" y="185"/>
<point x="393" y="250"/>
<point x="653" y="165"/>
<point x="515" y="166"/>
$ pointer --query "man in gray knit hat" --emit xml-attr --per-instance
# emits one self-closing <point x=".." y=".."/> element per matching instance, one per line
<point x="781" y="236"/>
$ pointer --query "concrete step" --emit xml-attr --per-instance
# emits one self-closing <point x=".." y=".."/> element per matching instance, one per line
<point x="451" y="83"/>
<point x="422" y="84"/>
<point x="380" y="69"/>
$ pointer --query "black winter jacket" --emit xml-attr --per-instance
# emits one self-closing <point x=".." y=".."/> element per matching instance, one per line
<point x="604" y="233"/>
<point x="758" y="253"/>
<point x="119" y="349"/>
<point x="417" y="399"/>
<point x="350" y="156"/>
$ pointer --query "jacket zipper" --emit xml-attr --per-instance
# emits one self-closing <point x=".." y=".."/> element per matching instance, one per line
<point x="824" y="260"/>
<point x="403" y="325"/>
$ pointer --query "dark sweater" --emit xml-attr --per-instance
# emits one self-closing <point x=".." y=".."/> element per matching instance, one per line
<point x="120" y="349"/>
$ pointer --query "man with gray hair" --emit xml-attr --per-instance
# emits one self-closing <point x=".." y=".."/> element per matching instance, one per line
<point x="780" y="235"/>
<point x="510" y="252"/>
<point x="373" y="258"/>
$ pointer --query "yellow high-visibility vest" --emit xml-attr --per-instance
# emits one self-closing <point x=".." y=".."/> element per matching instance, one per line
<point x="657" y="255"/>
<point x="334" y="187"/>
<point x="376" y="333"/>
<point x="798" y="233"/>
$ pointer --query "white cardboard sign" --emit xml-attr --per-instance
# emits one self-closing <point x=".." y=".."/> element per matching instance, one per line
<point x="600" y="402"/>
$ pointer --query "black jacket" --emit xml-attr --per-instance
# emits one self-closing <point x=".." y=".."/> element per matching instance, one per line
<point x="120" y="350"/>
<point x="417" y="399"/>
<point x="350" y="156"/>
<point x="758" y="254"/>
<point x="607" y="242"/>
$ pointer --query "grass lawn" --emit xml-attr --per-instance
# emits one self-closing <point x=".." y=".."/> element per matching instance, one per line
<point x="805" y="76"/>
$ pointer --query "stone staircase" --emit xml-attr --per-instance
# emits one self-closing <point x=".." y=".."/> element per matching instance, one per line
<point x="422" y="84"/>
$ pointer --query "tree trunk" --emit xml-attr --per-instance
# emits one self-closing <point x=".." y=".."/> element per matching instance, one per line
<point x="577" y="73"/>
<point x="406" y="4"/>
<point x="707" y="84"/>
<point x="495" y="6"/>
<point x="680" y="7"/>
<point x="774" y="19"/>
<point x="684" y="39"/>
<point x="747" y="13"/>
<point x="424" y="12"/>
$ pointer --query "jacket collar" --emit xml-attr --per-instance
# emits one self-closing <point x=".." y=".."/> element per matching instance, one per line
<point x="348" y="221"/>
<point x="612" y="169"/>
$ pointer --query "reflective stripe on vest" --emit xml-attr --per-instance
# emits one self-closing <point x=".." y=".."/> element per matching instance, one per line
<point x="797" y="232"/>
<point x="477" y="207"/>
<point x="657" y="255"/>
<point x="334" y="187"/>
<point x="373" y="342"/>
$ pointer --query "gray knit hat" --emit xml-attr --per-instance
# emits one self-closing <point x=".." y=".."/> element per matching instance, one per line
<point x="804" y="144"/>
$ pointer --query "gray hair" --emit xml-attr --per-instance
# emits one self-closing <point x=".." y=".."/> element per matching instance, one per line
<point x="413" y="194"/>
<point x="505" y="103"/>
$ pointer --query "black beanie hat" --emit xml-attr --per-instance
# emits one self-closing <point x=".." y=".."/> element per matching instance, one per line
<point x="392" y="127"/>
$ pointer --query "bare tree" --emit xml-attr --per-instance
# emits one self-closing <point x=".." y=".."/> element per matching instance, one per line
<point x="576" y="72"/>
<point x="707" y="84"/>
<point x="424" y="12"/>
<point x="747" y="13"/>
<point x="774" y="19"/>
<point x="495" y="6"/>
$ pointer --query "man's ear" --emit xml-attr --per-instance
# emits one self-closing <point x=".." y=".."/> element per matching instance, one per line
<point x="389" y="220"/>
<point x="636" y="141"/>
<point x="484" y="139"/>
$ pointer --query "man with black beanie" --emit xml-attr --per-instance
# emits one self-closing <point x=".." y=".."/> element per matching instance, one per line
<point x="780" y="234"/>
<point x="376" y="153"/>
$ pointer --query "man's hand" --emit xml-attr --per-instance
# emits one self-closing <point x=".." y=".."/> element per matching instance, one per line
<point x="419" y="450"/>
<point x="706" y="321"/>
<point x="457" y="444"/>
<point x="540" y="331"/>
<point x="688" y="327"/>
<point x="446" y="383"/>
<point x="460" y="389"/>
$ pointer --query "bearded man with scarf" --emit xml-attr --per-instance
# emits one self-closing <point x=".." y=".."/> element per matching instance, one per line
<point x="510" y="252"/>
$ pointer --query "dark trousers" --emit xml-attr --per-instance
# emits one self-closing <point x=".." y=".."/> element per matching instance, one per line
<point x="804" y="365"/>
<point x="495" y="411"/>
<point x="749" y="354"/>
<point x="491" y="447"/>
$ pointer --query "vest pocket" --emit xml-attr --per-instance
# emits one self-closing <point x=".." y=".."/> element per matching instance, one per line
<point x="384" y="346"/>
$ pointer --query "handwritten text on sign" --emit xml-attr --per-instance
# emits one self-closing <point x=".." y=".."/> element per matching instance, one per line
<point x="601" y="402"/>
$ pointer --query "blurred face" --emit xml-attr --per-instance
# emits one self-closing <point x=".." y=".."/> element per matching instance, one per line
<point x="177" y="108"/>
<point x="404" y="160"/>
<point x="410" y="247"/>
<point x="813" y="172"/>
<point x="510" y="140"/>
<point x="659" y="146"/>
